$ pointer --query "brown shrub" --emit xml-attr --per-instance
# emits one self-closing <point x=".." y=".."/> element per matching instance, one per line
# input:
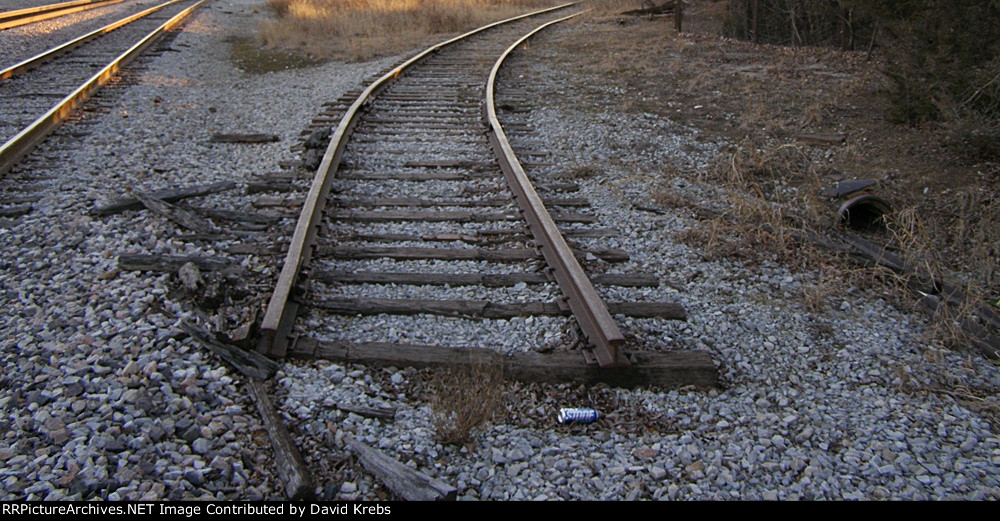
<point x="465" y="399"/>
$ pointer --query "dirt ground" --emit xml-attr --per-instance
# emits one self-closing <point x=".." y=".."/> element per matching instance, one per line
<point x="757" y="100"/>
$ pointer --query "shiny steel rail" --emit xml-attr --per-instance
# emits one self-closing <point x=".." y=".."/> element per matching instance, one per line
<point x="282" y="308"/>
<point x="589" y="309"/>
<point x="9" y="19"/>
<point x="18" y="146"/>
<point x="54" y="52"/>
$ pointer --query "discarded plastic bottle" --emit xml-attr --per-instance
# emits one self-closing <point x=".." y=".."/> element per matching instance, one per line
<point x="577" y="415"/>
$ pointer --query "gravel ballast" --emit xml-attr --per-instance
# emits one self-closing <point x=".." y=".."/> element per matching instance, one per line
<point x="814" y="405"/>
<point x="103" y="398"/>
<point x="100" y="396"/>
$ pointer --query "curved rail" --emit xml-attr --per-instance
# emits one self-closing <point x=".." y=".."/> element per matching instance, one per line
<point x="589" y="309"/>
<point x="18" y="146"/>
<point x="281" y="310"/>
<point x="52" y="53"/>
<point x="30" y="15"/>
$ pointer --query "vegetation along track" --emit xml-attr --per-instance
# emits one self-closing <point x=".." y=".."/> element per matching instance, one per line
<point x="422" y="224"/>
<point x="66" y="73"/>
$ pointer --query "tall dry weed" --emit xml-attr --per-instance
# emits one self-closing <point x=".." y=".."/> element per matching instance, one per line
<point x="466" y="399"/>
<point x="357" y="30"/>
<point x="962" y="247"/>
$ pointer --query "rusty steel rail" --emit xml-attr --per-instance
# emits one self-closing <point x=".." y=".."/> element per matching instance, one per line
<point x="282" y="308"/>
<point x="9" y="19"/>
<point x="54" y="52"/>
<point x="18" y="146"/>
<point x="590" y="311"/>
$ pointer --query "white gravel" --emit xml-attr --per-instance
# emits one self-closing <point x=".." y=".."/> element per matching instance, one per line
<point x="813" y="405"/>
<point x="100" y="399"/>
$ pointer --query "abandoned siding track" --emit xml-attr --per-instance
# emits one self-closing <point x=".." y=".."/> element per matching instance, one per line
<point x="410" y="215"/>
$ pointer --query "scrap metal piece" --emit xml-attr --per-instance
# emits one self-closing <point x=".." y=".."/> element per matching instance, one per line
<point x="843" y="188"/>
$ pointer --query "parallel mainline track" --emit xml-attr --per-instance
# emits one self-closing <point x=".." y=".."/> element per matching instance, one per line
<point x="25" y="100"/>
<point x="423" y="225"/>
<point x="59" y="50"/>
<point x="19" y="17"/>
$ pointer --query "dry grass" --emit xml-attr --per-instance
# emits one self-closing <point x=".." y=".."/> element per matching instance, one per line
<point x="600" y="8"/>
<point x="761" y="97"/>
<point x="465" y="400"/>
<point x="764" y="216"/>
<point x="959" y="246"/>
<point x="357" y="30"/>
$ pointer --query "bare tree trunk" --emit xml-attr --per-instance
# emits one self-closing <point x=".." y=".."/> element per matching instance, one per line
<point x="850" y="28"/>
<point x="756" y="28"/>
<point x="843" y="30"/>
<point x="678" y="14"/>
<point x="796" y="38"/>
<point x="871" y="44"/>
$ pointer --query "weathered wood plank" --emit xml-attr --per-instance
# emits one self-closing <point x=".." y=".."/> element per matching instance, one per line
<point x="379" y="216"/>
<point x="409" y="253"/>
<point x="670" y="310"/>
<point x="248" y="363"/>
<point x="450" y="163"/>
<point x="418" y="202"/>
<point x="409" y="124"/>
<point x="820" y="139"/>
<point x="381" y="413"/>
<point x="178" y="215"/>
<point x="268" y="186"/>
<point x="430" y="237"/>
<point x="633" y="280"/>
<point x="415" y="253"/>
<point x="169" y="263"/>
<point x="292" y="470"/>
<point x="558" y="187"/>
<point x="20" y="199"/>
<point x="590" y="233"/>
<point x="474" y="279"/>
<point x="170" y="195"/>
<point x="402" y="480"/>
<point x="16" y="210"/>
<point x="605" y="254"/>
<point x="451" y="279"/>
<point x="406" y="176"/>
<point x="666" y="369"/>
<point x="244" y="139"/>
<point x="485" y="309"/>
<point x="236" y="216"/>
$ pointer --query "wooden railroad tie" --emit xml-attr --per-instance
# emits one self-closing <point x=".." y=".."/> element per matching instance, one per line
<point x="668" y="369"/>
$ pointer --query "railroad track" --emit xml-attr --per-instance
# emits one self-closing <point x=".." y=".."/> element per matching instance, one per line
<point x="38" y="94"/>
<point x="432" y="216"/>
<point x="29" y="15"/>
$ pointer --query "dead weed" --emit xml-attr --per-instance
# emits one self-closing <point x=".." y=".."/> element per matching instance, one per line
<point x="466" y="399"/>
<point x="357" y="30"/>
